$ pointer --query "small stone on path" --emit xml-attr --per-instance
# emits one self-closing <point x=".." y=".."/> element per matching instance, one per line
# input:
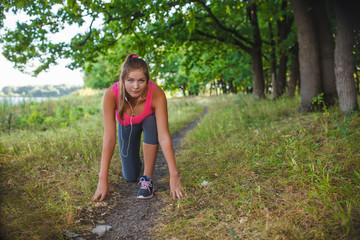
<point x="101" y="229"/>
<point x="69" y="234"/>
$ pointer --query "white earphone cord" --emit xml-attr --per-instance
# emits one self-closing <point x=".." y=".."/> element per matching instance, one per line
<point x="131" y="128"/>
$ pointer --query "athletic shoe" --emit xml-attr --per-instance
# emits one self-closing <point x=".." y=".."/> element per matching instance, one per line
<point x="146" y="188"/>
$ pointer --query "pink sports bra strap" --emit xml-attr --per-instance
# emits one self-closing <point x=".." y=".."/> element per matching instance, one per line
<point x="147" y="109"/>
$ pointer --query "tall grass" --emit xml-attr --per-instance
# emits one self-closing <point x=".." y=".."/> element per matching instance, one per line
<point x="260" y="170"/>
<point x="48" y="174"/>
<point x="32" y="115"/>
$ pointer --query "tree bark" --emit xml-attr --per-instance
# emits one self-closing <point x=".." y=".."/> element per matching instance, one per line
<point x="258" y="78"/>
<point x="344" y="59"/>
<point x="256" y="65"/>
<point x="282" y="74"/>
<point x="294" y="72"/>
<point x="266" y="82"/>
<point x="274" y="79"/>
<point x="284" y="28"/>
<point x="308" y="53"/>
<point x="327" y="47"/>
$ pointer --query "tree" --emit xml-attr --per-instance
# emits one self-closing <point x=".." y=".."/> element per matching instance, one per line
<point x="193" y="69"/>
<point x="315" y="52"/>
<point x="294" y="72"/>
<point x="234" y="24"/>
<point x="326" y="51"/>
<point x="154" y="24"/>
<point x="347" y="21"/>
<point x="239" y="28"/>
<point x="105" y="70"/>
<point x="308" y="54"/>
<point x="106" y="22"/>
<point x="281" y="38"/>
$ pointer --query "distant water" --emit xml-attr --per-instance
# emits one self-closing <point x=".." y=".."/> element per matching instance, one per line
<point x="16" y="100"/>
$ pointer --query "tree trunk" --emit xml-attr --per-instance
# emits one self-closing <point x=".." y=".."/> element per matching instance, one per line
<point x="256" y="65"/>
<point x="284" y="28"/>
<point x="232" y="86"/>
<point x="327" y="46"/>
<point x="274" y="79"/>
<point x="266" y="82"/>
<point x="282" y="74"/>
<point x="183" y="89"/>
<point x="294" y="72"/>
<point x="357" y="80"/>
<point x="344" y="59"/>
<point x="258" y="78"/>
<point x="222" y="85"/>
<point x="308" y="53"/>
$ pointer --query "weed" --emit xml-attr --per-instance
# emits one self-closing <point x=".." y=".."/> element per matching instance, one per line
<point x="33" y="115"/>
<point x="318" y="103"/>
<point x="344" y="128"/>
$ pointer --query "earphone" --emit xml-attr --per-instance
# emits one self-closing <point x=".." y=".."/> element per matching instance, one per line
<point x="131" y="126"/>
<point x="122" y="140"/>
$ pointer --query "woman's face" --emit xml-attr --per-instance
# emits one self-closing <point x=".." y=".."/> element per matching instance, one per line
<point x="135" y="83"/>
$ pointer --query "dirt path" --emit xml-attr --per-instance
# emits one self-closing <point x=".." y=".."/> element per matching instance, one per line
<point x="129" y="217"/>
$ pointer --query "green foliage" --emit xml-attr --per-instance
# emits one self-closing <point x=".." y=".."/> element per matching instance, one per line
<point x="104" y="21"/>
<point x="101" y="75"/>
<point x="357" y="49"/>
<point x="193" y="70"/>
<point x="209" y="37"/>
<point x="106" y="70"/>
<point x="318" y="103"/>
<point x="31" y="115"/>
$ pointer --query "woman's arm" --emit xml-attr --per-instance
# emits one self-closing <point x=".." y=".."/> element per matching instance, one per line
<point x="160" y="105"/>
<point x="109" y="142"/>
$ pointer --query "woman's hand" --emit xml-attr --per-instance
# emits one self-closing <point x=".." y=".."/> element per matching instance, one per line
<point x="101" y="191"/>
<point x="176" y="189"/>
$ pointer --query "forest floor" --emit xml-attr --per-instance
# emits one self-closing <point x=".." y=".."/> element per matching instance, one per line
<point x="129" y="217"/>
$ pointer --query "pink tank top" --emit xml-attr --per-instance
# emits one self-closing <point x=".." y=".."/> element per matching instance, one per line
<point x="147" y="109"/>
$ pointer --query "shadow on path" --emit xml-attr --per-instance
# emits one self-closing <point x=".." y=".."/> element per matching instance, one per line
<point x="129" y="217"/>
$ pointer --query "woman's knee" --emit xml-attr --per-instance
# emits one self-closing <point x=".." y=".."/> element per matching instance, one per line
<point x="131" y="175"/>
<point x="131" y="178"/>
<point x="150" y="130"/>
<point x="131" y="167"/>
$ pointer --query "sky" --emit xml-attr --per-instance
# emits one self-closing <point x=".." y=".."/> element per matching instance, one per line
<point x="56" y="75"/>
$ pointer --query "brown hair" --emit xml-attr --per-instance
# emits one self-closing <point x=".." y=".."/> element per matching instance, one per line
<point x="132" y="62"/>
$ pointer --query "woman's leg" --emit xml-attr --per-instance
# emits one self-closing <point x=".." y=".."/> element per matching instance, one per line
<point x="130" y="150"/>
<point x="150" y="153"/>
<point x="150" y="144"/>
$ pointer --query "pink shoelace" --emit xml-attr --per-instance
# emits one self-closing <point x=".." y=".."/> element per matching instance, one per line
<point x="145" y="184"/>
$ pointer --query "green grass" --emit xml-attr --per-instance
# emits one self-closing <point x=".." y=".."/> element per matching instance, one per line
<point x="49" y="172"/>
<point x="272" y="173"/>
<point x="181" y="112"/>
<point x="32" y="115"/>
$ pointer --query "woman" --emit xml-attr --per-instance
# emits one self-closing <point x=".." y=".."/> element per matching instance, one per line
<point x="139" y="106"/>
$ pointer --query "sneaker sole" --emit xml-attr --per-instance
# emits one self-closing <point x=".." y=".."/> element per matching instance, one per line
<point x="142" y="197"/>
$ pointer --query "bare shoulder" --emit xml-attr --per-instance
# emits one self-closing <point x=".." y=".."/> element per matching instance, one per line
<point x="158" y="97"/>
<point x="109" y="98"/>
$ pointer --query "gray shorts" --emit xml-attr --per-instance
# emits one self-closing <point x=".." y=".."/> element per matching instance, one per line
<point x="130" y="147"/>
